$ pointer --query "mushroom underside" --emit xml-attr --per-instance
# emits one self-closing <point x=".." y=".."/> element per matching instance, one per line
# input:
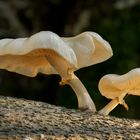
<point x="30" y="64"/>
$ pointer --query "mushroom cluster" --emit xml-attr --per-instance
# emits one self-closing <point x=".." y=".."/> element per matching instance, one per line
<point x="47" y="53"/>
<point x="116" y="87"/>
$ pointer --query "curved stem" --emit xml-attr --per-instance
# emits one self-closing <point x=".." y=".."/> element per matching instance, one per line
<point x="112" y="104"/>
<point x="84" y="100"/>
<point x="63" y="68"/>
<point x="109" y="107"/>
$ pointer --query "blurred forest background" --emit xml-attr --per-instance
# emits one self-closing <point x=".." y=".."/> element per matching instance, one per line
<point x="117" y="21"/>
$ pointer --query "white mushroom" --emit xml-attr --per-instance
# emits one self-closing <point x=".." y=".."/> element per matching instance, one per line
<point x="47" y="53"/>
<point x="116" y="87"/>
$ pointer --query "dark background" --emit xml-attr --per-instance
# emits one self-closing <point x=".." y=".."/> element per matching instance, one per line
<point x="118" y="22"/>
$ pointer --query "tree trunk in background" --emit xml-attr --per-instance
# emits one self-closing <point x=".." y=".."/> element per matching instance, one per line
<point x="30" y="120"/>
<point x="22" y="18"/>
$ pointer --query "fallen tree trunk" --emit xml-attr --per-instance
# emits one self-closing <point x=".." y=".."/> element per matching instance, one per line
<point x="22" y="119"/>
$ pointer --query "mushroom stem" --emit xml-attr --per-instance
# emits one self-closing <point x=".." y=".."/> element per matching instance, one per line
<point x="68" y="77"/>
<point x="109" y="107"/>
<point x="84" y="100"/>
<point x="112" y="104"/>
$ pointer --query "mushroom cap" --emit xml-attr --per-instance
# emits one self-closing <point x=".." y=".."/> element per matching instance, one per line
<point x="90" y="48"/>
<point x="113" y="85"/>
<point x="27" y="55"/>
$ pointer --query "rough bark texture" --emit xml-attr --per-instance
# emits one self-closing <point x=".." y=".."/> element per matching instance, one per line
<point x="22" y="119"/>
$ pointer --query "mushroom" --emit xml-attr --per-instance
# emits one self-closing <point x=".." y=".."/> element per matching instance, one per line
<point x="45" y="52"/>
<point x="116" y="87"/>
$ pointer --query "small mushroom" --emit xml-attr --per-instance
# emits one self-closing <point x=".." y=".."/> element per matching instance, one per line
<point x="47" y="53"/>
<point x="116" y="87"/>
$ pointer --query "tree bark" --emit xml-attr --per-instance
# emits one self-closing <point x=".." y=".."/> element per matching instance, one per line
<point x="22" y="119"/>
